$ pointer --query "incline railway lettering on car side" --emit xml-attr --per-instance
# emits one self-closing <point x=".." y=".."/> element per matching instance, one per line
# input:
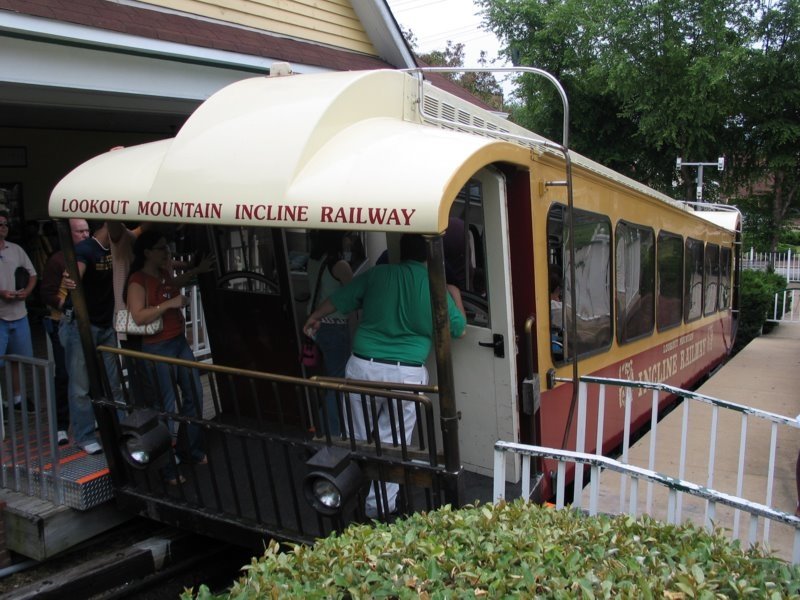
<point x="278" y="213"/>
<point x="679" y="354"/>
<point x="367" y="216"/>
<point x="144" y="208"/>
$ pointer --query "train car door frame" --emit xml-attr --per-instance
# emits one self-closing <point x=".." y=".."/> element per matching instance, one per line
<point x="484" y="360"/>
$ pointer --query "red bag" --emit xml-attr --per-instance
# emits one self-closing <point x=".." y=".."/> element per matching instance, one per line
<point x="309" y="353"/>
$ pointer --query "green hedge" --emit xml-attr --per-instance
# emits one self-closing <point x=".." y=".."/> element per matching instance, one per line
<point x="758" y="289"/>
<point x="516" y="550"/>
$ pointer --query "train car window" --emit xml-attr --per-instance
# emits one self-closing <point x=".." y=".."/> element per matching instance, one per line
<point x="635" y="286"/>
<point x="247" y="261"/>
<point x="693" y="280"/>
<point x="669" y="305"/>
<point x="724" y="278"/>
<point x="592" y="282"/>
<point x="711" y="276"/>
<point x="465" y="253"/>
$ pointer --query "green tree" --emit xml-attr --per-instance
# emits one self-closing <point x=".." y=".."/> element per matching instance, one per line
<point x="482" y="84"/>
<point x="765" y="133"/>
<point x="647" y="81"/>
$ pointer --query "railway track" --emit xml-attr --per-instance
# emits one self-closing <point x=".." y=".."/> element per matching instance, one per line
<point x="139" y="560"/>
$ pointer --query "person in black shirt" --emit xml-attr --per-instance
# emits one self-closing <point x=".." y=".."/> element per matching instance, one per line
<point x="95" y="267"/>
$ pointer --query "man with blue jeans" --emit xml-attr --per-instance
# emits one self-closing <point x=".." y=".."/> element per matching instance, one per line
<point x="15" y="332"/>
<point x="392" y="343"/>
<point x="95" y="268"/>
<point x="54" y="292"/>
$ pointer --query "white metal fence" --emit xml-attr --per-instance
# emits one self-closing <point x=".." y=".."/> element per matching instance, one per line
<point x="784" y="263"/>
<point x="750" y="489"/>
<point x="29" y="444"/>
<point x="785" y="308"/>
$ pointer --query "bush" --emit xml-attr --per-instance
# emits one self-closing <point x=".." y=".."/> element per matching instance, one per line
<point x="758" y="291"/>
<point x="516" y="550"/>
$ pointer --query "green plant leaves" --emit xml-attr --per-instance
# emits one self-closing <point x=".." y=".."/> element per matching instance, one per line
<point x="516" y="550"/>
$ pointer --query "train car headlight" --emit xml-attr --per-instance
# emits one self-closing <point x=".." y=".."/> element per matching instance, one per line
<point x="144" y="439"/>
<point x="332" y="481"/>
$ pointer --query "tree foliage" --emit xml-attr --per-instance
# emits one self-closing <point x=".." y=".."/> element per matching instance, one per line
<point x="766" y="133"/>
<point x="480" y="84"/>
<point x="652" y="81"/>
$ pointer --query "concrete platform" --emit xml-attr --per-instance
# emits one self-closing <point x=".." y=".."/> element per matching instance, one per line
<point x="764" y="375"/>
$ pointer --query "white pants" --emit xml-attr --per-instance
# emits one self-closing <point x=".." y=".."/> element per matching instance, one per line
<point x="358" y="368"/>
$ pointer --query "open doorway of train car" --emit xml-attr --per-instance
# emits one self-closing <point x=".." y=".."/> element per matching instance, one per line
<point x="484" y="360"/>
<point x="249" y="314"/>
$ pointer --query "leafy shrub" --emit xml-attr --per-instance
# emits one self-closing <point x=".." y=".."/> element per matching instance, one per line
<point x="758" y="292"/>
<point x="516" y="550"/>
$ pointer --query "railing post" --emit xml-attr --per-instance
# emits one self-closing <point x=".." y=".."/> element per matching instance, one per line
<point x="499" y="482"/>
<point x="448" y="409"/>
<point x="788" y="265"/>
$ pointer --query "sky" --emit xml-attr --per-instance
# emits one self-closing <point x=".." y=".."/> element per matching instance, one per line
<point x="433" y="22"/>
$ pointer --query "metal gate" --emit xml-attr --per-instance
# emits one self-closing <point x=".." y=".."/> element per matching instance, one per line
<point x="260" y="455"/>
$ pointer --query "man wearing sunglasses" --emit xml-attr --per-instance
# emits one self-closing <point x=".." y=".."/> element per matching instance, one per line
<point x="15" y="332"/>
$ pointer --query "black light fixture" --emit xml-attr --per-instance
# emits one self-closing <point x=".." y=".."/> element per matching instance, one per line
<point x="145" y="439"/>
<point x="333" y="479"/>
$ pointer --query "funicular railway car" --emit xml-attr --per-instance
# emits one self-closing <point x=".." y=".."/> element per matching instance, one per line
<point x="570" y="269"/>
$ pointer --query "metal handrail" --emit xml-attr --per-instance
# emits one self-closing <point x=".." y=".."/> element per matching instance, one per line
<point x="599" y="463"/>
<point x="785" y="306"/>
<point x="773" y="419"/>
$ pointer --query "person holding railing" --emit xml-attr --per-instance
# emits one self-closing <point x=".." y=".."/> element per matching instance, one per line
<point x="328" y="271"/>
<point x="154" y="293"/>
<point x="392" y="342"/>
<point x="93" y="256"/>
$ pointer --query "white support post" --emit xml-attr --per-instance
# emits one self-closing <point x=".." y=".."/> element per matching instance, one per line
<point x="560" y="483"/>
<point x="626" y="441"/>
<point x="740" y="474"/>
<point x="526" y="477"/>
<point x="499" y="491"/>
<point x="773" y="443"/>
<point x="651" y="462"/>
<point x="580" y="445"/>
<point x="712" y="451"/>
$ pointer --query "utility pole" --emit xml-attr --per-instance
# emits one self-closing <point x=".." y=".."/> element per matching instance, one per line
<point x="720" y="164"/>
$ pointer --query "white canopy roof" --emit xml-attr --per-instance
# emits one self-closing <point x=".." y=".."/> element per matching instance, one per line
<point x="320" y="151"/>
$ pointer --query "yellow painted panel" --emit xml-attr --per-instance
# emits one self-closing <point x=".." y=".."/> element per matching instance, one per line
<point x="330" y="22"/>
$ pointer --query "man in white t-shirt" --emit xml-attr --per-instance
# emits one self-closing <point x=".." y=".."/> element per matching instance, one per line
<point x="15" y="331"/>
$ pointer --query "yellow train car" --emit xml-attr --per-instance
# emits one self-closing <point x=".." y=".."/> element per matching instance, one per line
<point x="566" y="268"/>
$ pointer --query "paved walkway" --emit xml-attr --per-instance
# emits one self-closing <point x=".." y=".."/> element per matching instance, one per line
<point x="764" y="375"/>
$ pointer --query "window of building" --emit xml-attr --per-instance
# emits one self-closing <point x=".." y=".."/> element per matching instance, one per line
<point x="669" y="308"/>
<point x="693" y="280"/>
<point x="724" y="278"/>
<point x="711" y="274"/>
<point x="593" y="281"/>
<point x="635" y="286"/>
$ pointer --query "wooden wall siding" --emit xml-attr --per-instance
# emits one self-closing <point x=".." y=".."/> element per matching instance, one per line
<point x="331" y="22"/>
